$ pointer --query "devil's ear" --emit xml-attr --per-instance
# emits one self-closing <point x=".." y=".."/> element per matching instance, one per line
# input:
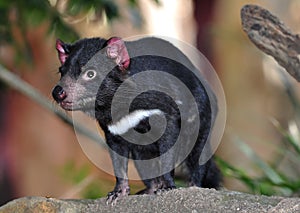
<point x="62" y="50"/>
<point x="117" y="50"/>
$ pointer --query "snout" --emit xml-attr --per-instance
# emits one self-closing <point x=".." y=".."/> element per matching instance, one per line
<point x="59" y="94"/>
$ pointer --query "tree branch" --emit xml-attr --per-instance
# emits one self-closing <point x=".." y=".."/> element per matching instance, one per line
<point x="271" y="36"/>
<point x="26" y="89"/>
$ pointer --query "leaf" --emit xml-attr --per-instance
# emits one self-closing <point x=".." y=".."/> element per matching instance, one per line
<point x="111" y="9"/>
<point x="5" y="34"/>
<point x="133" y="3"/>
<point x="33" y="12"/>
<point x="289" y="137"/>
<point x="62" y="30"/>
<point x="157" y="1"/>
<point x="73" y="174"/>
<point x="76" y="7"/>
<point x="268" y="171"/>
<point x="5" y="4"/>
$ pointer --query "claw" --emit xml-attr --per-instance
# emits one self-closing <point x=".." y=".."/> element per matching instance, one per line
<point x="164" y="189"/>
<point x="113" y="196"/>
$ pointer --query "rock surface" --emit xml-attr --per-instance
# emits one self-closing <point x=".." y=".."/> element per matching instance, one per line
<point x="180" y="200"/>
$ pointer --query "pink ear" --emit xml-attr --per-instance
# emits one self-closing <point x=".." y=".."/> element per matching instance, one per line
<point x="62" y="52"/>
<point x="117" y="50"/>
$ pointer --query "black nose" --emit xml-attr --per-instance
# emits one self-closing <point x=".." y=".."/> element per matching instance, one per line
<point x="59" y="94"/>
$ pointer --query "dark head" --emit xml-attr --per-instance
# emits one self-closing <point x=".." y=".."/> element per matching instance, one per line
<point x="84" y="65"/>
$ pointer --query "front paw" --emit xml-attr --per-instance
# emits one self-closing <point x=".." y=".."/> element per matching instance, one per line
<point x="115" y="195"/>
<point x="164" y="189"/>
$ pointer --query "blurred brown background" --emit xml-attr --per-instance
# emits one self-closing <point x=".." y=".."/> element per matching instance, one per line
<point x="36" y="147"/>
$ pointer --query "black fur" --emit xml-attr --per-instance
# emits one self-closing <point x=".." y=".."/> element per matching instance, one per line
<point x="146" y="54"/>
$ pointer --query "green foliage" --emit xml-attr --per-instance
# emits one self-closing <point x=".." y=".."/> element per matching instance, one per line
<point x="89" y="186"/>
<point x="32" y="13"/>
<point x="82" y="180"/>
<point x="273" y="180"/>
<point x="62" y="30"/>
<point x="20" y="15"/>
<point x="94" y="190"/>
<point x="73" y="174"/>
<point x="110" y="8"/>
<point x="281" y="176"/>
<point x="24" y="15"/>
<point x="4" y="29"/>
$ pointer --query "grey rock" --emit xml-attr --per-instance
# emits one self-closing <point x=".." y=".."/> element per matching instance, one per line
<point x="180" y="200"/>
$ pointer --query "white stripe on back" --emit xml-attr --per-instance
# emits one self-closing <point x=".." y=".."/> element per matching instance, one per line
<point x="131" y="120"/>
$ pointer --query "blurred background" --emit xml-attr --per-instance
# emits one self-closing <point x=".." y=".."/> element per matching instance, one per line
<point x="40" y="154"/>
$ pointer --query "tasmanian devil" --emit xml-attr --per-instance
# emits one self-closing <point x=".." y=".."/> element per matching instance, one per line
<point x="151" y="102"/>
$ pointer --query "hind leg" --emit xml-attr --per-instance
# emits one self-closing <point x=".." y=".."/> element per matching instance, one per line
<point x="213" y="177"/>
<point x="197" y="173"/>
<point x="206" y="175"/>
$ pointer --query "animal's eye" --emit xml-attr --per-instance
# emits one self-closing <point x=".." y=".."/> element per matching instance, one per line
<point x="89" y="74"/>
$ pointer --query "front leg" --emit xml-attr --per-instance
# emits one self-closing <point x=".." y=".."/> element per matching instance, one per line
<point x="121" y="190"/>
<point x="119" y="155"/>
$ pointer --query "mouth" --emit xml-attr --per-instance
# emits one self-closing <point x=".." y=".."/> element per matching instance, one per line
<point x="82" y="104"/>
<point x="67" y="105"/>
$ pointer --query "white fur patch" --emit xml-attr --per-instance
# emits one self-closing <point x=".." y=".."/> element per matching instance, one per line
<point x="131" y="120"/>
